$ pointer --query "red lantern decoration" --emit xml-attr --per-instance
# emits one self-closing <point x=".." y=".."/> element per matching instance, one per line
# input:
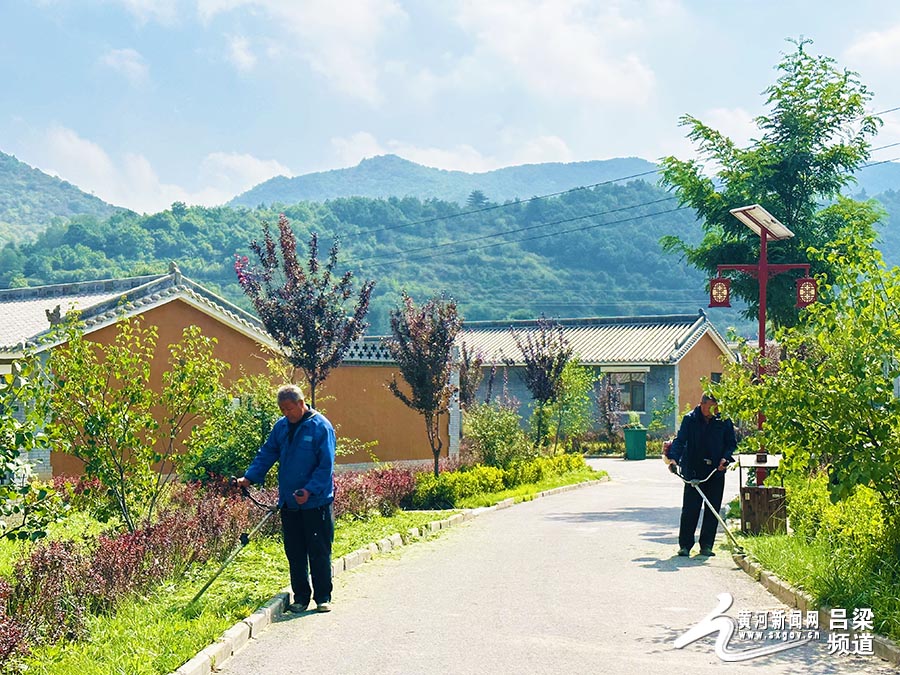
<point x="807" y="291"/>
<point x="720" y="292"/>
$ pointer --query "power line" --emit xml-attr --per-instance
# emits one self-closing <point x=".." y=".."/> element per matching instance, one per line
<point x="507" y="204"/>
<point x="540" y="236"/>
<point x="515" y="231"/>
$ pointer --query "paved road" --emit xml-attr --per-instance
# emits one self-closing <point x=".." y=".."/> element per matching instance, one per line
<point x="584" y="581"/>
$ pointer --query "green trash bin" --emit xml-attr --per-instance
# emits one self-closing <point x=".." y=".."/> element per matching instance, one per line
<point x="635" y="443"/>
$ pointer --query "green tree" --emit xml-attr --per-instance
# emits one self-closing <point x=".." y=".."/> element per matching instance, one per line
<point x="26" y="508"/>
<point x="238" y="424"/>
<point x="829" y="392"/>
<point x="572" y="411"/>
<point x="816" y="134"/>
<point x="421" y="342"/>
<point x="103" y="409"/>
<point x="663" y="414"/>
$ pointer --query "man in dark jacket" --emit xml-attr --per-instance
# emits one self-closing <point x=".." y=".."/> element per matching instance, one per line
<point x="303" y="444"/>
<point x="704" y="442"/>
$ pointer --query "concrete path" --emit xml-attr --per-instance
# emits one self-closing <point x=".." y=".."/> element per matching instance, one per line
<point x="585" y="581"/>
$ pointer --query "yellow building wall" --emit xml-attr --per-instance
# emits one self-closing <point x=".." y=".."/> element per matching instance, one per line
<point x="357" y="401"/>
<point x="704" y="359"/>
<point x="354" y="397"/>
<point x="171" y="319"/>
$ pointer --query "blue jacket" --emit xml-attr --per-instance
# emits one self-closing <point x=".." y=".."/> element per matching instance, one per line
<point x="307" y="462"/>
<point x="700" y="445"/>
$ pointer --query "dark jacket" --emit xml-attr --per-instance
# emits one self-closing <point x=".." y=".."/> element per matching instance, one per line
<point x="305" y="461"/>
<point x="700" y="445"/>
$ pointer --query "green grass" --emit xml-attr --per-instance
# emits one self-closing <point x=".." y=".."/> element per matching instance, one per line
<point x="526" y="492"/>
<point x="832" y="579"/>
<point x="155" y="634"/>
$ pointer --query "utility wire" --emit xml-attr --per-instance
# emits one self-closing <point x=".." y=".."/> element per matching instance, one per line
<point x="539" y="236"/>
<point x="432" y="247"/>
<point x="505" y="205"/>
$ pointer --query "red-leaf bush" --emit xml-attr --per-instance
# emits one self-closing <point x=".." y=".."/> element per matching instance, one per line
<point x="59" y="582"/>
<point x="12" y="633"/>
<point x="357" y="494"/>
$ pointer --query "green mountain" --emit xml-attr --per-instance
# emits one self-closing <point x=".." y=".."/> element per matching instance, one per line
<point x="591" y="252"/>
<point x="585" y="252"/>
<point x="392" y="176"/>
<point x="30" y="200"/>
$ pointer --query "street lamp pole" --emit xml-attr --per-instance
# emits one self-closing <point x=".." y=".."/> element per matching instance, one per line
<point x="767" y="227"/>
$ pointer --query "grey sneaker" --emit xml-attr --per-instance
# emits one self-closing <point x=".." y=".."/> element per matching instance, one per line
<point x="683" y="552"/>
<point x="706" y="551"/>
<point x="298" y="607"/>
<point x="323" y="607"/>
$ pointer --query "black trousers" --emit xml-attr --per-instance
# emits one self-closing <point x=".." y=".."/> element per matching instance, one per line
<point x="308" y="534"/>
<point x="690" y="512"/>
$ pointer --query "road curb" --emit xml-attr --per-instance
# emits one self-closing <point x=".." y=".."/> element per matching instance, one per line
<point x="884" y="647"/>
<point x="211" y="658"/>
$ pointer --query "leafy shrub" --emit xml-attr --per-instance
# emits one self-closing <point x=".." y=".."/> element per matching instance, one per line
<point x="49" y="591"/>
<point x="495" y="434"/>
<point x="446" y="490"/>
<point x="854" y="529"/>
<point x="358" y="494"/>
<point x="235" y="429"/>
<point x="87" y="495"/>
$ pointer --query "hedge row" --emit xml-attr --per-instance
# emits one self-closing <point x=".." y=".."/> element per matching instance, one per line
<point x="448" y="489"/>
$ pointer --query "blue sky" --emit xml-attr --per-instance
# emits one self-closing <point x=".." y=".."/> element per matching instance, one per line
<point x="147" y="102"/>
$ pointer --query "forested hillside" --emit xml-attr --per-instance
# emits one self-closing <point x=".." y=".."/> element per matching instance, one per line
<point x="30" y="200"/>
<point x="585" y="253"/>
<point x="392" y="176"/>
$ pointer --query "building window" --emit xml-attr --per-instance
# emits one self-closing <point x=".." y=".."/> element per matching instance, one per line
<point x="631" y="390"/>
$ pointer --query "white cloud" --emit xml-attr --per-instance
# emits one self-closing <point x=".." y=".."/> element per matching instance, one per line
<point x="542" y="149"/>
<point x="337" y="40"/>
<point x="879" y="49"/>
<point x="235" y="173"/>
<point x="735" y="123"/>
<point x="351" y="150"/>
<point x="562" y="48"/>
<point x="240" y="53"/>
<point x="133" y="182"/>
<point x="128" y="62"/>
<point x="163" y="11"/>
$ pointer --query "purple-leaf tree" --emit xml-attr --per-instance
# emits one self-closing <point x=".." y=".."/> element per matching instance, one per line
<point x="421" y="343"/>
<point x="470" y="374"/>
<point x="304" y="307"/>
<point x="545" y="352"/>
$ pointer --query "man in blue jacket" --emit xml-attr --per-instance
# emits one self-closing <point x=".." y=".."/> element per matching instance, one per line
<point x="704" y="442"/>
<point x="303" y="444"/>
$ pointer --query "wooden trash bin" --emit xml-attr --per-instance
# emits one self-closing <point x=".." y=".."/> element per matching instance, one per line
<point x="763" y="509"/>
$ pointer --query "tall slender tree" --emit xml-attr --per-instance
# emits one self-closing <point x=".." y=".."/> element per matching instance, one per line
<point x="816" y="134"/>
<point x="421" y="342"/>
<point x="304" y="308"/>
<point x="545" y="352"/>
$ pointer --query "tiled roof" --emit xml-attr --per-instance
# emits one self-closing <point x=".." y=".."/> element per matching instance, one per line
<point x="24" y="312"/>
<point x="640" y="340"/>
